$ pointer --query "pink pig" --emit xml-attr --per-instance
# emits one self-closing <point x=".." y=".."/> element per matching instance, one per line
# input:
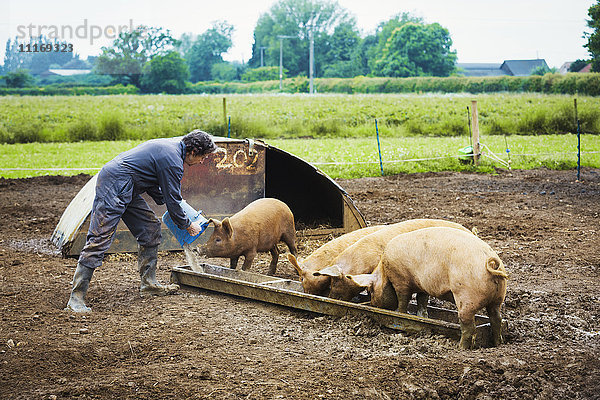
<point x="256" y="228"/>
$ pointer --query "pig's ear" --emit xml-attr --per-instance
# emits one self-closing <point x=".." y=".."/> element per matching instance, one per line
<point x="216" y="222"/>
<point x="228" y="228"/>
<point x="292" y="259"/>
<point x="362" y="280"/>
<point x="333" y="271"/>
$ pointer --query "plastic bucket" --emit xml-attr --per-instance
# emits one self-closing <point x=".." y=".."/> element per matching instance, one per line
<point x="182" y="236"/>
<point x="465" y="154"/>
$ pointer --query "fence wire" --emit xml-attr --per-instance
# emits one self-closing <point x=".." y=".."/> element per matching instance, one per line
<point x="444" y="157"/>
<point x="338" y="163"/>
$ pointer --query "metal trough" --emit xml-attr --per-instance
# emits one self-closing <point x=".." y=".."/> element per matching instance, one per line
<point x="224" y="184"/>
<point x="289" y="293"/>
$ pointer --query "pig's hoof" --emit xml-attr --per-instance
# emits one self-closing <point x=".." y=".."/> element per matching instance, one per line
<point x="159" y="290"/>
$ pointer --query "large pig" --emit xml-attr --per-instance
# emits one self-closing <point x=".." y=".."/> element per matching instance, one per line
<point x="322" y="257"/>
<point x="445" y="263"/>
<point x="256" y="228"/>
<point x="364" y="255"/>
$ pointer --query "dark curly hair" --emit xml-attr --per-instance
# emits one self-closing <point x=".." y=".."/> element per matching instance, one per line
<point x="199" y="143"/>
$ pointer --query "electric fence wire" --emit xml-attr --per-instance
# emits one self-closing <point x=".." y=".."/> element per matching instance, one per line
<point x="492" y="155"/>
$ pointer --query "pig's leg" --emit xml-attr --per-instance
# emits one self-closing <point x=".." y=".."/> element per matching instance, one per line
<point x="403" y="296"/>
<point x="493" y="312"/>
<point x="466" y="316"/>
<point x="274" y="259"/>
<point x="248" y="258"/>
<point x="233" y="262"/>
<point x="422" y="300"/>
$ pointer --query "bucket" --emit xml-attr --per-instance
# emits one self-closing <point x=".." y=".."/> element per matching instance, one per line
<point x="182" y="236"/>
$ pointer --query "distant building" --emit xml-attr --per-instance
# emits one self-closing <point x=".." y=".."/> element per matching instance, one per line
<point x="480" y="69"/>
<point x="587" y="68"/>
<point x="523" y="67"/>
<point x="65" y="72"/>
<point x="508" y="68"/>
<point x="565" y="67"/>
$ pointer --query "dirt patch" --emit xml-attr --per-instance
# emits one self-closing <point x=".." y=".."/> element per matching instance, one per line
<point x="204" y="345"/>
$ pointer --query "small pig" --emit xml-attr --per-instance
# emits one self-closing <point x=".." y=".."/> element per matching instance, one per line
<point x="256" y="228"/>
<point x="445" y="263"/>
<point x="363" y="256"/>
<point x="322" y="257"/>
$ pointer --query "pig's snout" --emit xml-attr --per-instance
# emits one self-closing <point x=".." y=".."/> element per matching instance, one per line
<point x="202" y="250"/>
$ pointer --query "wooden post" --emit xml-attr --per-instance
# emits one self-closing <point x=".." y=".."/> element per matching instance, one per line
<point x="225" y="112"/>
<point x="476" y="150"/>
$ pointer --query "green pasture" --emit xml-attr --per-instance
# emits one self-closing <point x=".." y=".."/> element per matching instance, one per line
<point x="338" y="157"/>
<point x="56" y="119"/>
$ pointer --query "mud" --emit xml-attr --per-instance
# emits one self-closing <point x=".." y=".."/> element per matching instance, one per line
<point x="200" y="344"/>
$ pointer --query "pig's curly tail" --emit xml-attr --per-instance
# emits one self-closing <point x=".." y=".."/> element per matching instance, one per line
<point x="495" y="266"/>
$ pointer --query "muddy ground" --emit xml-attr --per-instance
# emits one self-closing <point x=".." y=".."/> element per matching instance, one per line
<point x="204" y="345"/>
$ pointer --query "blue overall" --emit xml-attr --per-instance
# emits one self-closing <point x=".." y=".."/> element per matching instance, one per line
<point x="154" y="167"/>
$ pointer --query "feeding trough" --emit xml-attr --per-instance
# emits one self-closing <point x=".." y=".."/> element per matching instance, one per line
<point x="222" y="185"/>
<point x="289" y="293"/>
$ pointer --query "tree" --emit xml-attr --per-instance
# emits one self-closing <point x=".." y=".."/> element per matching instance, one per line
<point x="15" y="59"/>
<point x="417" y="50"/>
<point x="34" y="61"/>
<point x="343" y="41"/>
<point x="263" y="74"/>
<point x="185" y="43"/>
<point x="297" y="18"/>
<point x="578" y="65"/>
<point x="342" y="69"/>
<point x="18" y="79"/>
<point x="593" y="44"/>
<point x="343" y="58"/>
<point x="227" y="71"/>
<point x="165" y="74"/>
<point x="363" y="52"/>
<point x="384" y="30"/>
<point x="208" y="49"/>
<point x="543" y="70"/>
<point x="129" y="52"/>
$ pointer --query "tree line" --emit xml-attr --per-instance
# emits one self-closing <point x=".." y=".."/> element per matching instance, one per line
<point x="151" y="59"/>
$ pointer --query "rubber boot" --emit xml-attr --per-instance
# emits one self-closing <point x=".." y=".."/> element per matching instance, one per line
<point x="147" y="259"/>
<point x="81" y="282"/>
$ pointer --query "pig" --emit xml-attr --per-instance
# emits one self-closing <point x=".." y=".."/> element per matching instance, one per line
<point x="322" y="257"/>
<point x="445" y="263"/>
<point x="256" y="228"/>
<point x="363" y="257"/>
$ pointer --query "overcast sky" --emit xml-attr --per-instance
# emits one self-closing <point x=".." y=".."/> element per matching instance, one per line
<point x="481" y="30"/>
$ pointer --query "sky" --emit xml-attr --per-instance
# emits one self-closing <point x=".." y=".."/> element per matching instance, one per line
<point x="482" y="31"/>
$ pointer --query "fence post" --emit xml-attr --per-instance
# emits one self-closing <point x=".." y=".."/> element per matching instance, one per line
<point x="578" y="151"/>
<point x="225" y="111"/>
<point x="576" y="116"/>
<point x="379" y="148"/>
<point x="475" y="117"/>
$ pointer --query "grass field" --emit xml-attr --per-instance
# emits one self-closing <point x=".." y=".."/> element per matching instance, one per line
<point x="70" y="134"/>
<point x="339" y="158"/>
<point x="122" y="117"/>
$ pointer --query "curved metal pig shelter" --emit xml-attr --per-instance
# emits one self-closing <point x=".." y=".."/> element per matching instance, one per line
<point x="224" y="184"/>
